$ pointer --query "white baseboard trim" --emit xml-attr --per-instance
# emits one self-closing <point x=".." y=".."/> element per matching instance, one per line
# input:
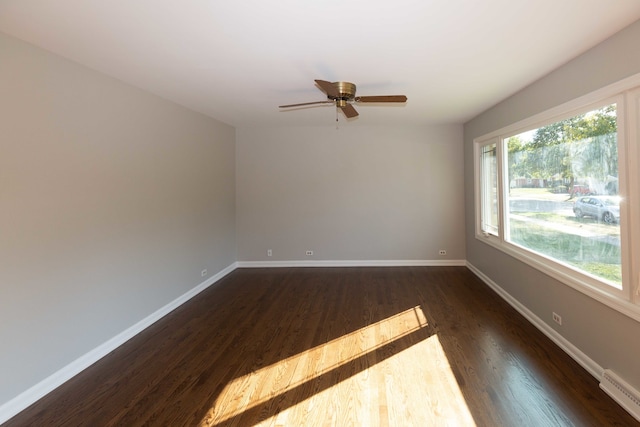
<point x="39" y="390"/>
<point x="576" y="354"/>
<point x="351" y="263"/>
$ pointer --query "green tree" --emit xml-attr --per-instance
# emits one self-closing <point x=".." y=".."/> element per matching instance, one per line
<point x="517" y="158"/>
<point x="578" y="147"/>
<point x="594" y="151"/>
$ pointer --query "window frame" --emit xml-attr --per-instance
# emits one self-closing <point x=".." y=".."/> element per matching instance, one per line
<point x="626" y="95"/>
<point x="481" y="191"/>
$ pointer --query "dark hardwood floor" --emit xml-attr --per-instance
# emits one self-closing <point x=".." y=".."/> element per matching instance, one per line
<point x="410" y="346"/>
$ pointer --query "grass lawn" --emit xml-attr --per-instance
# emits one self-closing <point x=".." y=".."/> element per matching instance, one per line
<point x="537" y="193"/>
<point x="596" y="256"/>
<point x="592" y="224"/>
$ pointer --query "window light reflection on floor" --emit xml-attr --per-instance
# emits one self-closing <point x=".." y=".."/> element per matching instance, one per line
<point x="384" y="373"/>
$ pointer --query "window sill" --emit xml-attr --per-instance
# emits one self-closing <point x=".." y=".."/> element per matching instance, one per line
<point x="613" y="298"/>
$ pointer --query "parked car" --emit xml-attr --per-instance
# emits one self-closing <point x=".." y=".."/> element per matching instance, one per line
<point x="605" y="208"/>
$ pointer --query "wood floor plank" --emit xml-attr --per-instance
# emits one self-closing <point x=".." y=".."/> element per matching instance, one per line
<point x="395" y="346"/>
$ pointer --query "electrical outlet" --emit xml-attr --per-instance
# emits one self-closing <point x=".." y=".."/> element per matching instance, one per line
<point x="442" y="252"/>
<point x="269" y="252"/>
<point x="309" y="253"/>
<point x="203" y="272"/>
<point x="557" y="318"/>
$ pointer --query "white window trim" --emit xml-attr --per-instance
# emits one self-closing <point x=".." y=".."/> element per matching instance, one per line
<point x="633" y="189"/>
<point x="478" y="150"/>
<point x="626" y="93"/>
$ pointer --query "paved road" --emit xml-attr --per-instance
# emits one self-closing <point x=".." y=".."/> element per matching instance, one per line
<point x="535" y="205"/>
<point x="585" y="227"/>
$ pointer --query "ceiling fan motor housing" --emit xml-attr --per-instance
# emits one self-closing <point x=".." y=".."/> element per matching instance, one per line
<point x="346" y="92"/>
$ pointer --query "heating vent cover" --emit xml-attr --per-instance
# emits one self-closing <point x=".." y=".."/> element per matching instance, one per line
<point x="621" y="392"/>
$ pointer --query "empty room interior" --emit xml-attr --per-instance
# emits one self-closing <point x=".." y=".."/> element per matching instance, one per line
<point x="325" y="213"/>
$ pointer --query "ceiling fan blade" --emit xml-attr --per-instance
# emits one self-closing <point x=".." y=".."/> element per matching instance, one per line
<point x="328" y="87"/>
<point x="381" y="98"/>
<point x="305" y="103"/>
<point x="349" y="111"/>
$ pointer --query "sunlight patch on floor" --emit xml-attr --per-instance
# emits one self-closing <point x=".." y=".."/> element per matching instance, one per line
<point x="377" y="375"/>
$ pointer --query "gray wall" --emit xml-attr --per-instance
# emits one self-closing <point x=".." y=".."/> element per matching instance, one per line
<point x="354" y="193"/>
<point x="606" y="336"/>
<point x="112" y="201"/>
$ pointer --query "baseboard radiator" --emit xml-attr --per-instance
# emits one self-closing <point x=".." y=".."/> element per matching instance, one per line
<point x="626" y="396"/>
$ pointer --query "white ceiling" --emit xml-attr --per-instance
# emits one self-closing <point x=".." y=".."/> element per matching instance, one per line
<point x="238" y="60"/>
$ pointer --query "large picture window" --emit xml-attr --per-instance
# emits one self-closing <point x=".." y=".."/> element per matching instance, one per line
<point x="563" y="197"/>
<point x="554" y="191"/>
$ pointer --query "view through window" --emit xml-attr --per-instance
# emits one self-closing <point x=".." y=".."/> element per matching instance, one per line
<point x="562" y="198"/>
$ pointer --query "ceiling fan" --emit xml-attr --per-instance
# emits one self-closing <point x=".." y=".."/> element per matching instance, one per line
<point x="343" y="95"/>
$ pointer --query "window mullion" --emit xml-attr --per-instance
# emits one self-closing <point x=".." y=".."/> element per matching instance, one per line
<point x="502" y="188"/>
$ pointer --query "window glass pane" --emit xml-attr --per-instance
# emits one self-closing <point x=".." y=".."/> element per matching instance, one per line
<point x="489" y="189"/>
<point x="563" y="193"/>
